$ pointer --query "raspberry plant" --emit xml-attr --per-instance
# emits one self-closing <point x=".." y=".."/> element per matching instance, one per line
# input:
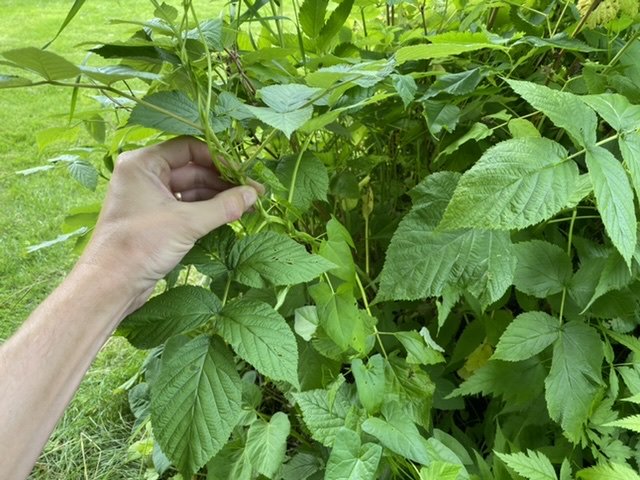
<point x="441" y="280"/>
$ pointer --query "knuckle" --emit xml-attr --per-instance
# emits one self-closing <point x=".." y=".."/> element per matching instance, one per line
<point x="233" y="207"/>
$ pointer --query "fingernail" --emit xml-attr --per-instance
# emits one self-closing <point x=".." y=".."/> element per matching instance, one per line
<point x="249" y="195"/>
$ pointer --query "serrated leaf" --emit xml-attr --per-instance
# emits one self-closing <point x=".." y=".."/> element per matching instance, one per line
<point x="287" y="122"/>
<point x="614" y="199"/>
<point x="311" y="15"/>
<point x="178" y="310"/>
<point x="477" y="260"/>
<point x="531" y="465"/>
<point x="630" y="423"/>
<point x="574" y="378"/>
<point x="630" y="150"/>
<point x="564" y="109"/>
<point x="113" y="73"/>
<point x="440" y="116"/>
<point x="46" y="64"/>
<point x="400" y="435"/>
<point x="267" y="444"/>
<point x="515" y="184"/>
<point x="614" y="275"/>
<point x="334" y="23"/>
<point x="166" y="112"/>
<point x="543" y="268"/>
<point x="323" y="416"/>
<point x="439" y="50"/>
<point x="409" y="386"/>
<point x="477" y="132"/>
<point x="196" y="403"/>
<point x="418" y="352"/>
<point x="613" y="471"/>
<point x="518" y="383"/>
<point x="527" y="335"/>
<point x="289" y="97"/>
<point x="311" y="179"/>
<point x="406" y="88"/>
<point x="85" y="173"/>
<point x="268" y="258"/>
<point x="455" y="83"/>
<point x="440" y="471"/>
<point x="616" y="110"/>
<point x="350" y="460"/>
<point x="262" y="337"/>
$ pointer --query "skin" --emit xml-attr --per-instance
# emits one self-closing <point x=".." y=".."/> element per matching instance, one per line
<point x="142" y="233"/>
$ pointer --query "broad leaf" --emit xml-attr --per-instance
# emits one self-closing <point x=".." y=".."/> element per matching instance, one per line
<point x="616" y="110"/>
<point x="515" y="184"/>
<point x="289" y="97"/>
<point x="262" y="337"/>
<point x="399" y="435"/>
<point x="350" y="460"/>
<point x="267" y="444"/>
<point x="477" y="260"/>
<point x="85" y="173"/>
<point x="370" y="380"/>
<point x="440" y="471"/>
<point x="543" y="269"/>
<point x="613" y="471"/>
<point x="195" y="403"/>
<point x="564" y="109"/>
<point x="170" y="112"/>
<point x="8" y="81"/>
<point x="311" y="179"/>
<point x="286" y="122"/>
<point x="630" y="150"/>
<point x="574" y="378"/>
<point x="114" y="73"/>
<point x="614" y="199"/>
<point x="323" y="416"/>
<point x="531" y="465"/>
<point x="455" y="83"/>
<point x="268" y="258"/>
<point x="439" y="50"/>
<point x="406" y="88"/>
<point x="46" y="64"/>
<point x="529" y="334"/>
<point x="311" y="15"/>
<point x="179" y="310"/>
<point x="334" y="23"/>
<point x="440" y="116"/>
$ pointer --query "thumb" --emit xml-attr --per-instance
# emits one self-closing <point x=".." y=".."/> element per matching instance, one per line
<point x="225" y="207"/>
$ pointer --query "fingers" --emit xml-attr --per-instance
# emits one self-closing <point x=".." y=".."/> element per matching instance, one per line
<point x="181" y="151"/>
<point x="223" y="208"/>
<point x="193" y="176"/>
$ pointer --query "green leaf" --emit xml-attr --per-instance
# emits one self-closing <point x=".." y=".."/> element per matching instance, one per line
<point x="196" y="403"/>
<point x="439" y="50"/>
<point x="613" y="471"/>
<point x="400" y="435"/>
<point x="59" y="239"/>
<point x="531" y="465"/>
<point x="350" y="460"/>
<point x="370" y="380"/>
<point x="410" y="387"/>
<point x="340" y="317"/>
<point x="455" y="83"/>
<point x="515" y="184"/>
<point x="267" y="444"/>
<point x="564" y="109"/>
<point x="522" y="128"/>
<point x="268" y="258"/>
<point x="440" y="471"/>
<point x="630" y="150"/>
<point x="440" y="116"/>
<point x="616" y="110"/>
<point x="334" y="23"/>
<point x="288" y="98"/>
<point x="179" y="310"/>
<point x="418" y="352"/>
<point x="287" y="122"/>
<point x="543" y="269"/>
<point x="477" y="132"/>
<point x="630" y="423"/>
<point x="614" y="199"/>
<point x="614" y="275"/>
<point x="480" y="261"/>
<point x="262" y="337"/>
<point x="46" y="64"/>
<point x="406" y="87"/>
<point x="574" y="378"/>
<point x="311" y="16"/>
<point x="114" y="73"/>
<point x="311" y="179"/>
<point x="529" y="334"/>
<point x="169" y="112"/>
<point x="323" y="416"/>
<point x="85" y="173"/>
<point x="75" y="8"/>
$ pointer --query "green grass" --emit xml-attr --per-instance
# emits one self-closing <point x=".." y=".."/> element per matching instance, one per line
<point x="92" y="439"/>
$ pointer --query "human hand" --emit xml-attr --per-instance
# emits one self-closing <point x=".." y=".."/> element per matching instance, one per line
<point x="143" y="230"/>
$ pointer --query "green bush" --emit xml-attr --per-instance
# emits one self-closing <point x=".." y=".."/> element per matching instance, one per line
<point x="441" y="281"/>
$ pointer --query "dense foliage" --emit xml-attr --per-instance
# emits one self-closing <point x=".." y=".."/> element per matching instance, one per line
<point x="442" y="280"/>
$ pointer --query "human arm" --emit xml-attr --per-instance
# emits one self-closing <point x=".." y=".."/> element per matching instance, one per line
<point x="142" y="233"/>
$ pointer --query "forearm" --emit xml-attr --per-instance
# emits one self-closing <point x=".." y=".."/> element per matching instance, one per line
<point x="42" y="365"/>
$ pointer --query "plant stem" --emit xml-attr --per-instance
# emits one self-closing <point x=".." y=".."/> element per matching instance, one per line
<point x="601" y="142"/>
<point x="294" y="175"/>
<point x="569" y="245"/>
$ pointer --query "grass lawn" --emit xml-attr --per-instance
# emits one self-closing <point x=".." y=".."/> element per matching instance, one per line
<point x="92" y="439"/>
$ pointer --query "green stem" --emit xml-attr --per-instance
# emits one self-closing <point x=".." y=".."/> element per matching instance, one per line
<point x="601" y="142"/>
<point x="363" y="294"/>
<point x="226" y="290"/>
<point x="294" y="176"/>
<point x="569" y="244"/>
